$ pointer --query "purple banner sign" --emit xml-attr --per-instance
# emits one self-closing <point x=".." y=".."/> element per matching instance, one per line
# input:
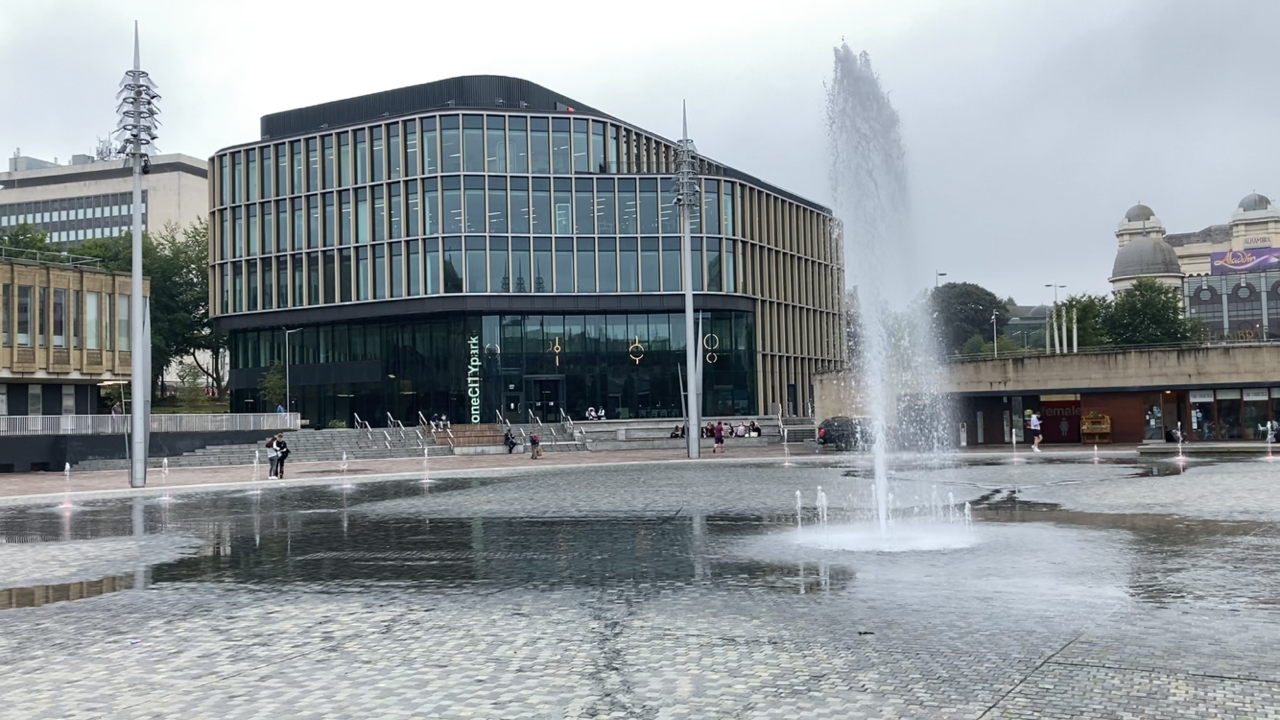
<point x="1225" y="263"/>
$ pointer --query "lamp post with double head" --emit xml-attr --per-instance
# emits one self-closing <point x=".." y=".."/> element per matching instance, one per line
<point x="288" y="403"/>
<point x="937" y="275"/>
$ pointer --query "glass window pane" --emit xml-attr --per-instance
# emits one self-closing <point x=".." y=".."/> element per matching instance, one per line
<point x="477" y="271"/>
<point x="393" y="212"/>
<point x="313" y="166"/>
<point x="379" y="215"/>
<point x="628" y="265"/>
<point x="452" y="205"/>
<point x="563" y="208"/>
<point x="584" y="208"/>
<point x="379" y="272"/>
<point x="473" y="205"/>
<point x="671" y="280"/>
<point x="517" y="146"/>
<point x="605" y="224"/>
<point x="344" y="159"/>
<point x="539" y="144"/>
<point x="726" y="208"/>
<point x="432" y="270"/>
<point x="730" y="267"/>
<point x="411" y="167"/>
<point x="670" y="211"/>
<point x="472" y="143"/>
<point x="586" y="265"/>
<point x="581" y="148"/>
<point x="251" y="169"/>
<point x="495" y="145"/>
<point x="313" y="221"/>
<point x="650" y="279"/>
<point x="542" y="265"/>
<point x="395" y="275"/>
<point x="344" y="218"/>
<point x="450" y="145"/>
<point x="711" y="207"/>
<point x="414" y="261"/>
<point x="329" y="277"/>
<point x="627" y="207"/>
<point x="520" y="273"/>
<point x="393" y="151"/>
<point x="519" y="211"/>
<point x="362" y="158"/>
<point x="561" y="154"/>
<point x="499" y="281"/>
<point x="452" y="265"/>
<point x="430" y="207"/>
<point x="362" y="216"/>
<point x="713" y="265"/>
<point x="607" y="265"/>
<point x="362" y="273"/>
<point x="541" y="213"/>
<point x="329" y="220"/>
<point x="430" y="153"/>
<point x="328" y="161"/>
<point x="414" y="210"/>
<point x="375" y="153"/>
<point x="649" y="207"/>
<point x="497" y="208"/>
<point x="597" y="147"/>
<point x="564" y="265"/>
<point x="282" y="171"/>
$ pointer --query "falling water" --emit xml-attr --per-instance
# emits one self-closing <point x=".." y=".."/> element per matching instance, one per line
<point x="344" y="463"/>
<point x="257" y="462"/>
<point x="164" y="478"/>
<point x="1095" y="452"/>
<point x="799" y="512"/>
<point x="898" y="376"/>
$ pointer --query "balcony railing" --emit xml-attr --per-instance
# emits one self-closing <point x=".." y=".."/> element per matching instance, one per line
<point x="15" y="425"/>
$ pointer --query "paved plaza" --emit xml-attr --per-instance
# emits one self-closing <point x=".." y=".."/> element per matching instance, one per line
<point x="652" y="589"/>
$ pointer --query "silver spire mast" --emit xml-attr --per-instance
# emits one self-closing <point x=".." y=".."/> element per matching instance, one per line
<point x="136" y="134"/>
<point x="688" y="192"/>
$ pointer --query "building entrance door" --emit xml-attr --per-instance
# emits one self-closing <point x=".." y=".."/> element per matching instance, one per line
<point x="544" y="395"/>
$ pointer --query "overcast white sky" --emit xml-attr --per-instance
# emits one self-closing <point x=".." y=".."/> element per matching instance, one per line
<point x="1031" y="126"/>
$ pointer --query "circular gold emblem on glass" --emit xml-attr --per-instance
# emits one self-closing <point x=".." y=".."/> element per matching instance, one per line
<point x="636" y="350"/>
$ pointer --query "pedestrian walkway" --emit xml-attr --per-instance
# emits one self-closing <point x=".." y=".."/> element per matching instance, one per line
<point x="111" y="482"/>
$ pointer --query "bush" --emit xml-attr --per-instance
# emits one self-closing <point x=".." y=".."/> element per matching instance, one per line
<point x="337" y="425"/>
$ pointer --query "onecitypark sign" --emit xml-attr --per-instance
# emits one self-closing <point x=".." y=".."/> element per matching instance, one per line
<point x="473" y="377"/>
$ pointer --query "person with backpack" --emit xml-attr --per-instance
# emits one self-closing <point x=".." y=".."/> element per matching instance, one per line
<point x="273" y="458"/>
<point x="536" y="451"/>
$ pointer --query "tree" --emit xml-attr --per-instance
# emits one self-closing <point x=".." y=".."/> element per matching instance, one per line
<point x="1084" y="314"/>
<point x="962" y="310"/>
<point x="24" y="237"/>
<point x="190" y="384"/>
<point x="271" y="387"/>
<point x="1149" y="312"/>
<point x="176" y="261"/>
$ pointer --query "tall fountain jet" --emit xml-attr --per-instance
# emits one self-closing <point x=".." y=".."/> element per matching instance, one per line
<point x="897" y="368"/>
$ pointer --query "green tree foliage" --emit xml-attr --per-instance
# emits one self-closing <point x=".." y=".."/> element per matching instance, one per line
<point x="962" y="310"/>
<point x="176" y="261"/>
<point x="24" y="237"/>
<point x="1088" y="312"/>
<point x="272" y="388"/>
<point x="1147" y="313"/>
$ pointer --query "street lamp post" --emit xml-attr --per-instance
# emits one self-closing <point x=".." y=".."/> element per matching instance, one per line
<point x="136" y="133"/>
<point x="687" y="195"/>
<point x="995" y="339"/>
<point x="937" y="275"/>
<point x="1055" y="291"/>
<point x="288" y="403"/>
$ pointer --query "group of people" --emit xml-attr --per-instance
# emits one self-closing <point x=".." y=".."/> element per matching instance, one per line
<point x="439" y="423"/>
<point x="594" y="414"/>
<point x="720" y="430"/>
<point x="277" y="453"/>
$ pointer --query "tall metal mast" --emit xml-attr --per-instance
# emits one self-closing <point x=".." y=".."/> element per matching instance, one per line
<point x="136" y="134"/>
<point x="688" y="193"/>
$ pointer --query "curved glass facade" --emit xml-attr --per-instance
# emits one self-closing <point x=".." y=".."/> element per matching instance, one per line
<point x="412" y="215"/>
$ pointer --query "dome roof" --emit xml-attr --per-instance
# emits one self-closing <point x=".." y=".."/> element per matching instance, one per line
<point x="1139" y="213"/>
<point x="1146" y="255"/>
<point x="1254" y="202"/>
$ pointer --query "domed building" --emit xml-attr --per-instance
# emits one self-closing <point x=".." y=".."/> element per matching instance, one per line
<point x="1229" y="273"/>
<point x="1145" y="256"/>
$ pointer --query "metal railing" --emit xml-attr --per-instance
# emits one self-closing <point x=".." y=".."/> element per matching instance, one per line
<point x="1110" y="349"/>
<point x="363" y="425"/>
<point x="16" y="425"/>
<point x="45" y="256"/>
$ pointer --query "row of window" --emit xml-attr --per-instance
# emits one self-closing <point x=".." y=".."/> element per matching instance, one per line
<point x="476" y="265"/>
<point x="34" y="404"/>
<point x="502" y="144"/>
<point x="65" y="210"/>
<point x="39" y="316"/>
<point x="472" y="204"/>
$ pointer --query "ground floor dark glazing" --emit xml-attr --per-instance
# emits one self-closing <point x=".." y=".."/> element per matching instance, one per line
<point x="473" y="367"/>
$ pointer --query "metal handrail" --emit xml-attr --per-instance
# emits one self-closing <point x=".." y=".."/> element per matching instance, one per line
<point x="1110" y="349"/>
<point x="52" y="258"/>
<point x="31" y="425"/>
<point x="363" y="424"/>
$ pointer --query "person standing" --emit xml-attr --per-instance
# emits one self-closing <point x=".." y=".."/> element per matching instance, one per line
<point x="273" y="459"/>
<point x="719" y="436"/>
<point x="1034" y="424"/>
<point x="282" y="448"/>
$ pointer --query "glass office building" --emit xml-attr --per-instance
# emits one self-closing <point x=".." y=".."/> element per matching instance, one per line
<point x="482" y="245"/>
